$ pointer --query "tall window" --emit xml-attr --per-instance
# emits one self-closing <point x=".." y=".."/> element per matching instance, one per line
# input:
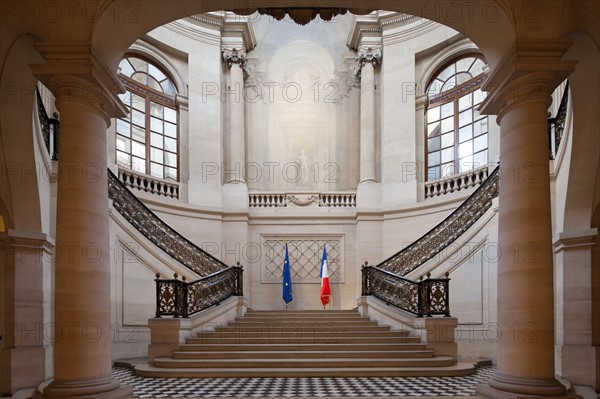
<point x="147" y="139"/>
<point x="456" y="134"/>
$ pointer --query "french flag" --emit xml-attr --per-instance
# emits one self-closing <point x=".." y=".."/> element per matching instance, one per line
<point x="325" y="288"/>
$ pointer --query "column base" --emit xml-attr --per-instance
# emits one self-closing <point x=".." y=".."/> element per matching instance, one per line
<point x="508" y="387"/>
<point x="104" y="388"/>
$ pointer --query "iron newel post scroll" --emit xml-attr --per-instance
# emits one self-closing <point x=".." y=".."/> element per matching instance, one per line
<point x="427" y="297"/>
<point x="178" y="298"/>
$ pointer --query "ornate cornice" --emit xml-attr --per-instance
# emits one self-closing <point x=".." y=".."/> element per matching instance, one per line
<point x="365" y="29"/>
<point x="372" y="55"/>
<point x="238" y="27"/>
<point x="211" y="20"/>
<point x="532" y="68"/>
<point x="77" y="70"/>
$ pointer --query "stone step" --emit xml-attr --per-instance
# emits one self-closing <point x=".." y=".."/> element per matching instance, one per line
<point x="294" y="333"/>
<point x="305" y="363"/>
<point x="293" y="346"/>
<point x="302" y="323"/>
<point x="298" y="327"/>
<point x="281" y="354"/>
<point x="341" y="339"/>
<point x="300" y="318"/>
<point x="324" y="313"/>
<point x="461" y="369"/>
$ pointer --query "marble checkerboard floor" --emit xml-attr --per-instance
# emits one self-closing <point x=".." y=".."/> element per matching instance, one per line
<point x="303" y="387"/>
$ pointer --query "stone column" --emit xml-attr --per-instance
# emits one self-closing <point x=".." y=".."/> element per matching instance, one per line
<point x="365" y="68"/>
<point x="525" y="266"/>
<point x="236" y="153"/>
<point x="86" y="98"/>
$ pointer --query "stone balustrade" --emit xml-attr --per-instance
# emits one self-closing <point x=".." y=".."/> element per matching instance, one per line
<point x="149" y="184"/>
<point x="451" y="184"/>
<point x="275" y="200"/>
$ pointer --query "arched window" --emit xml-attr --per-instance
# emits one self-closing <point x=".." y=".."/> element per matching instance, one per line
<point x="147" y="139"/>
<point x="456" y="134"/>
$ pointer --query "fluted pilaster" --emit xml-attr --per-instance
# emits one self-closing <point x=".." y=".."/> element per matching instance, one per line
<point x="236" y="154"/>
<point x="367" y="61"/>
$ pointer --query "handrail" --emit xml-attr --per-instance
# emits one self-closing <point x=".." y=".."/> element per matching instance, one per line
<point x="158" y="232"/>
<point x="445" y="232"/>
<point x="556" y="125"/>
<point x="422" y="298"/>
<point x="179" y="298"/>
<point x="49" y="127"/>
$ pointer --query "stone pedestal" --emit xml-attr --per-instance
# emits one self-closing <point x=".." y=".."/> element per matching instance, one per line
<point x="438" y="333"/>
<point x="577" y="353"/>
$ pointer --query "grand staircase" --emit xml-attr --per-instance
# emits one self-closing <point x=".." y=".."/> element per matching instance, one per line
<point x="299" y="343"/>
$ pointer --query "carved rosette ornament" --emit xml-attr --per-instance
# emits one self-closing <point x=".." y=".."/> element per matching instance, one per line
<point x="235" y="56"/>
<point x="372" y="55"/>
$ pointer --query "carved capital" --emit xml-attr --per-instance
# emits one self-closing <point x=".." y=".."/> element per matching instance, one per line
<point x="77" y="72"/>
<point x="533" y="87"/>
<point x="532" y="69"/>
<point x="372" y="55"/>
<point x="72" y="89"/>
<point x="235" y="56"/>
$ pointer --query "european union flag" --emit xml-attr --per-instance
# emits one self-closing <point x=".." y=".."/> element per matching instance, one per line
<point x="287" y="278"/>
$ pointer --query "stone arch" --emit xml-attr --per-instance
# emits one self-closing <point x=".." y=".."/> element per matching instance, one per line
<point x="159" y="58"/>
<point x="445" y="55"/>
<point x="112" y="36"/>
<point x="585" y="141"/>
<point x="596" y="280"/>
<point x="22" y="172"/>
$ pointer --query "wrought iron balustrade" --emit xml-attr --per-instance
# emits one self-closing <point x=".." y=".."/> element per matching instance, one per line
<point x="49" y="127"/>
<point x="178" y="298"/>
<point x="556" y="125"/>
<point x="422" y="298"/>
<point x="446" y="232"/>
<point x="158" y="232"/>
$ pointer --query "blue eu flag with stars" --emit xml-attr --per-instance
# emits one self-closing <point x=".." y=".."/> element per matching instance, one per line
<point x="287" y="278"/>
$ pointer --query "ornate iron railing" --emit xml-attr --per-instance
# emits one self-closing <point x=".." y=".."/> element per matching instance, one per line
<point x="422" y="298"/>
<point x="158" y="232"/>
<point x="446" y="232"/>
<point x="49" y="127"/>
<point x="179" y="298"/>
<point x="556" y="125"/>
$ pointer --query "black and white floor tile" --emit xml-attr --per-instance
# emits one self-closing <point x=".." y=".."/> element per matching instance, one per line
<point x="302" y="387"/>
